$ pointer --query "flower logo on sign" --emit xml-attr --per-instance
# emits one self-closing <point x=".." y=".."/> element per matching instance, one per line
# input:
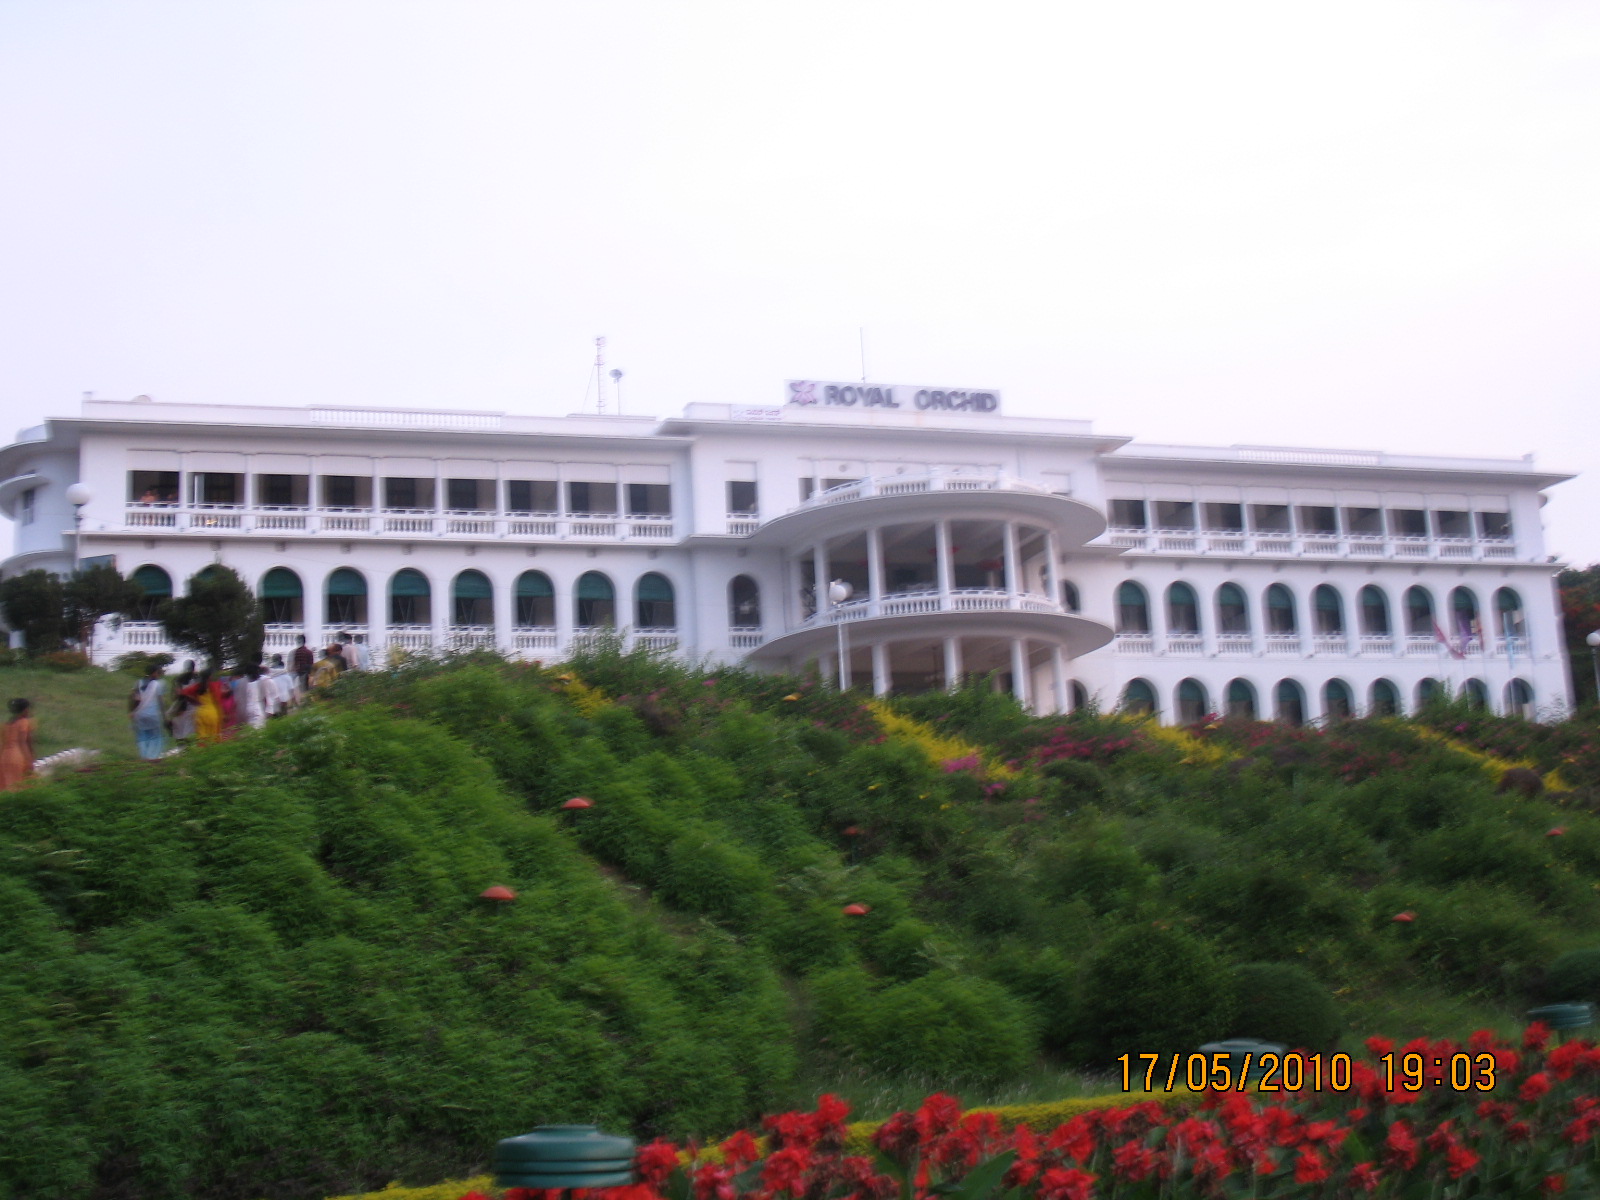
<point x="802" y="392"/>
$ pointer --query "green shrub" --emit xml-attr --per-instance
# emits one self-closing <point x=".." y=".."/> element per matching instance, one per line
<point x="1097" y="866"/>
<point x="138" y="662"/>
<point x="1152" y="989"/>
<point x="1574" y="976"/>
<point x="1284" y="1002"/>
<point x="902" y="949"/>
<point x="1485" y="939"/>
<point x="1045" y="978"/>
<point x="63" y="660"/>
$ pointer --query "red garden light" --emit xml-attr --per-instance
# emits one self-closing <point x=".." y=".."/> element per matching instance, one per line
<point x="1405" y="918"/>
<point x="1556" y="832"/>
<point x="857" y="910"/>
<point x="498" y="892"/>
<point x="579" y="802"/>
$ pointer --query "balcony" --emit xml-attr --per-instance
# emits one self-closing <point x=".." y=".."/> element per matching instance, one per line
<point x="212" y="519"/>
<point x="1237" y="543"/>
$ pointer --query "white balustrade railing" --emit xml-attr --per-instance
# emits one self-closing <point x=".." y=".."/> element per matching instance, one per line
<point x="403" y="522"/>
<point x="933" y="481"/>
<point x="1309" y="545"/>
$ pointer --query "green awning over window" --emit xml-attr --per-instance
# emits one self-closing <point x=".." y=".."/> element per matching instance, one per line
<point x="654" y="587"/>
<point x="595" y="586"/>
<point x="1507" y="601"/>
<point x="409" y="583"/>
<point x="1130" y="593"/>
<point x="1278" y="597"/>
<point x="473" y="585"/>
<point x="345" y="582"/>
<point x="154" y="581"/>
<point x="281" y="583"/>
<point x="1327" y="599"/>
<point x="1182" y="593"/>
<point x="534" y="584"/>
<point x="1464" y="601"/>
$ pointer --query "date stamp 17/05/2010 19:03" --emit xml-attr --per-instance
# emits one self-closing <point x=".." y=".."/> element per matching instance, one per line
<point x="1293" y="1071"/>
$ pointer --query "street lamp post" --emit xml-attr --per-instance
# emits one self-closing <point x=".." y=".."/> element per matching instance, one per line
<point x="79" y="494"/>
<point x="1594" y="658"/>
<point x="838" y="592"/>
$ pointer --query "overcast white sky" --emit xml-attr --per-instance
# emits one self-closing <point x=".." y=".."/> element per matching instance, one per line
<point x="1371" y="225"/>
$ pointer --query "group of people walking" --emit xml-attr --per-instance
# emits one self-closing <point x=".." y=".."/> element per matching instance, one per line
<point x="200" y="707"/>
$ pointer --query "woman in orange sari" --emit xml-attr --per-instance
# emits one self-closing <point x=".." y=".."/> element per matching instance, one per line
<point x="207" y="710"/>
<point x="16" y="746"/>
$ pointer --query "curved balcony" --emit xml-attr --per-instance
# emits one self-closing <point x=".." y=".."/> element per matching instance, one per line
<point x="932" y="495"/>
<point x="960" y="612"/>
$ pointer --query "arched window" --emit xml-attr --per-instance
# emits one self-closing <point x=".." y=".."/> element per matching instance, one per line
<point x="1192" y="704"/>
<point x="1133" y="609"/>
<point x="1477" y="695"/>
<point x="1519" y="700"/>
<point x="1427" y="690"/>
<point x="1385" y="699"/>
<point x="346" y="598"/>
<point x="1374" y="611"/>
<point x="1291" y="702"/>
<point x="472" y="599"/>
<point x="1183" y="610"/>
<point x="410" y="598"/>
<point x="1464" y="613"/>
<point x="1328" y="607"/>
<point x="1138" y="698"/>
<point x="1080" y="696"/>
<point x="282" y="597"/>
<point x="1337" y="703"/>
<point x="536" y="601"/>
<point x="744" y="603"/>
<point x="596" y="601"/>
<point x="157" y="586"/>
<point x="1509" y="620"/>
<point x="653" y="605"/>
<point x="1070" y="600"/>
<point x="1242" y="699"/>
<point x="1280" y="610"/>
<point x="1233" y="614"/>
<point x="1419" y="611"/>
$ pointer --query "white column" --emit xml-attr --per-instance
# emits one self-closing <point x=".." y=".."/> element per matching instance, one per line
<point x="881" y="676"/>
<point x="842" y="642"/>
<point x="504" y="601"/>
<point x="1058" y="677"/>
<point x="952" y="663"/>
<point x="314" y="607"/>
<point x="439" y="604"/>
<point x="875" y="569"/>
<point x="1052" y="566"/>
<point x="819" y="578"/>
<point x="827" y="668"/>
<point x="1013" y="568"/>
<point x="941" y="542"/>
<point x="1019" y="671"/>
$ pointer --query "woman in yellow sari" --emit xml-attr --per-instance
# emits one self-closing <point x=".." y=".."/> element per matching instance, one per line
<point x="207" y="711"/>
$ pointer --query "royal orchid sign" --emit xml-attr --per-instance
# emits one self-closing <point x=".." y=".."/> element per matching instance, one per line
<point x="906" y="397"/>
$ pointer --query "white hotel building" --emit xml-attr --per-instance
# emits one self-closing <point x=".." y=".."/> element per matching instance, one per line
<point x="1073" y="566"/>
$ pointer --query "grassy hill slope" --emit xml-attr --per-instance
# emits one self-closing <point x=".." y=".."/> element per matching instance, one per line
<point x="263" y="969"/>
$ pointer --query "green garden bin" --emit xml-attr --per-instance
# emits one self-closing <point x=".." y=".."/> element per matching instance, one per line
<point x="1562" y="1017"/>
<point x="564" y="1156"/>
<point x="1233" y="1051"/>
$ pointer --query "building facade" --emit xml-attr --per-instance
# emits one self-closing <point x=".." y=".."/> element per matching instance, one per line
<point x="901" y="538"/>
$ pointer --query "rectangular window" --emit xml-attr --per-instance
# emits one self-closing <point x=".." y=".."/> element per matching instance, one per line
<point x="1128" y="514"/>
<point x="153" y="487"/>
<point x="1224" y="518"/>
<point x="1317" y="518"/>
<point x="410" y="493"/>
<point x="282" y="491"/>
<point x="217" y="487"/>
<point x="469" y="495"/>
<point x="1494" y="525"/>
<point x="532" y="496"/>
<point x="1367" y="521"/>
<point x="345" y="491"/>
<point x="1452" y="523"/>
<point x="649" y="500"/>
<point x="597" y="498"/>
<point x="742" y="498"/>
<point x="1269" y="518"/>
<point x="26" y="515"/>
<point x="1408" y="522"/>
<point x="1174" y="514"/>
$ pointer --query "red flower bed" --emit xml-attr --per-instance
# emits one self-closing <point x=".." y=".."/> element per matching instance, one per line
<point x="1405" y="1126"/>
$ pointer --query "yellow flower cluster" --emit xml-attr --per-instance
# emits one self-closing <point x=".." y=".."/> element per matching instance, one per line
<point x="1193" y="749"/>
<point x="938" y="747"/>
<point x="587" y="700"/>
<point x="452" y="1190"/>
<point x="1495" y="765"/>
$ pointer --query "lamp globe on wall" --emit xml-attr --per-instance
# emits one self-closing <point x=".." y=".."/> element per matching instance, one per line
<point x="79" y="494"/>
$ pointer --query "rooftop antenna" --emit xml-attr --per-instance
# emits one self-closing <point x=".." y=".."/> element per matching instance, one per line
<point x="600" y="374"/>
<point x="616" y="379"/>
